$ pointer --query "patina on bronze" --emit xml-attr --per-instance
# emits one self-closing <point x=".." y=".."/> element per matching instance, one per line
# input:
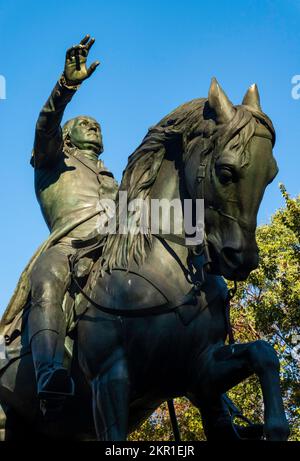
<point x="127" y="366"/>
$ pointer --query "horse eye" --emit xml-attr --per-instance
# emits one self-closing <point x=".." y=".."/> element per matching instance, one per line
<point x="225" y="175"/>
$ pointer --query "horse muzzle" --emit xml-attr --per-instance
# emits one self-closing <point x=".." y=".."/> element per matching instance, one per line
<point x="237" y="265"/>
<point x="233" y="263"/>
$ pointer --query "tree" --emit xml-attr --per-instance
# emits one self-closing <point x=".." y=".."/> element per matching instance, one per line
<point x="266" y="306"/>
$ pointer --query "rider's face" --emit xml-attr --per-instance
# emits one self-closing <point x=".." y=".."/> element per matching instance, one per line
<point x="86" y="134"/>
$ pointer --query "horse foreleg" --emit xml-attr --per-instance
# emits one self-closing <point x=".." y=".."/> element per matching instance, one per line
<point x="111" y="403"/>
<point x="218" y="423"/>
<point x="227" y="366"/>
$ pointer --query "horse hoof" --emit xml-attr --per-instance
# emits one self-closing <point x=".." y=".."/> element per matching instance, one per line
<point x="251" y="432"/>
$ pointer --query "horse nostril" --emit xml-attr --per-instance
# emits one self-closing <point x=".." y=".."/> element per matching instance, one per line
<point x="232" y="256"/>
<point x="244" y="261"/>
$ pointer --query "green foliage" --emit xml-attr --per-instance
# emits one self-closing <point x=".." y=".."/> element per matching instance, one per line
<point x="158" y="426"/>
<point x="266" y="306"/>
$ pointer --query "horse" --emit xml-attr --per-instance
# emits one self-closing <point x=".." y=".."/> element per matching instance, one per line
<point x="155" y="322"/>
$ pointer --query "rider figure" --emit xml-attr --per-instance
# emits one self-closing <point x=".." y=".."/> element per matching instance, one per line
<point x="69" y="182"/>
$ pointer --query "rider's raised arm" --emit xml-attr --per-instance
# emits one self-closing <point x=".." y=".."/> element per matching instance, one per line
<point x="48" y="141"/>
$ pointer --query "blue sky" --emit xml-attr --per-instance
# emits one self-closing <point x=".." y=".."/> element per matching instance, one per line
<point x="154" y="56"/>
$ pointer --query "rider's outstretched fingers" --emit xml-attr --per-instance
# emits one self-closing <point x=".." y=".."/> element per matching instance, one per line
<point x="90" y="44"/>
<point x="92" y="68"/>
<point x="85" y="40"/>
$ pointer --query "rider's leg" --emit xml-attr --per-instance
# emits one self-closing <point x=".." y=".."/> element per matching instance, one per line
<point x="49" y="280"/>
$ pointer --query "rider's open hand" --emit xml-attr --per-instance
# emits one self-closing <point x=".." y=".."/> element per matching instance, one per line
<point x="75" y="66"/>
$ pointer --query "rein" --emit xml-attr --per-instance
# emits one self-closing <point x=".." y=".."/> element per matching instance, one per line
<point x="169" y="306"/>
<point x="230" y="295"/>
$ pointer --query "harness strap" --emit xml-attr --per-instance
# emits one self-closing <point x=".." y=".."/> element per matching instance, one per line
<point x="189" y="298"/>
<point x="235" y="412"/>
<point x="200" y="177"/>
<point x="230" y="295"/>
<point x="174" y="421"/>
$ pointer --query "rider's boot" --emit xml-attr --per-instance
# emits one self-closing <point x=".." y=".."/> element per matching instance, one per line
<point x="53" y="380"/>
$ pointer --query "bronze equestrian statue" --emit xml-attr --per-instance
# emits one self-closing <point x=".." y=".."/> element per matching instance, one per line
<point x="152" y="319"/>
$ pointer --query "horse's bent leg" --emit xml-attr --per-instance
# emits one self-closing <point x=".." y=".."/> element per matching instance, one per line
<point x="229" y="365"/>
<point x="111" y="403"/>
<point x="217" y="420"/>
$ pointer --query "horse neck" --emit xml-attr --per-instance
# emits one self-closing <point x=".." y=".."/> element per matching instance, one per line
<point x="169" y="186"/>
<point x="170" y="257"/>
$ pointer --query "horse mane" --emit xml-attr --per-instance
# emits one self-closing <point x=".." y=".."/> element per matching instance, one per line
<point x="194" y="120"/>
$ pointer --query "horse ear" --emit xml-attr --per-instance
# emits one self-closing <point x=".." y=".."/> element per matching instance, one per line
<point x="220" y="103"/>
<point x="252" y="98"/>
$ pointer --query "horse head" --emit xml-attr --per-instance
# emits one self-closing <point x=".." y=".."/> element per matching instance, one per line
<point x="230" y="166"/>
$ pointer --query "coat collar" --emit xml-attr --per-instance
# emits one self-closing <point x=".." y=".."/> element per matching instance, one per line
<point x="96" y="167"/>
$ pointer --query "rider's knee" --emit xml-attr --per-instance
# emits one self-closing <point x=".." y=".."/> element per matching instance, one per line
<point x="51" y="272"/>
<point x="46" y="289"/>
